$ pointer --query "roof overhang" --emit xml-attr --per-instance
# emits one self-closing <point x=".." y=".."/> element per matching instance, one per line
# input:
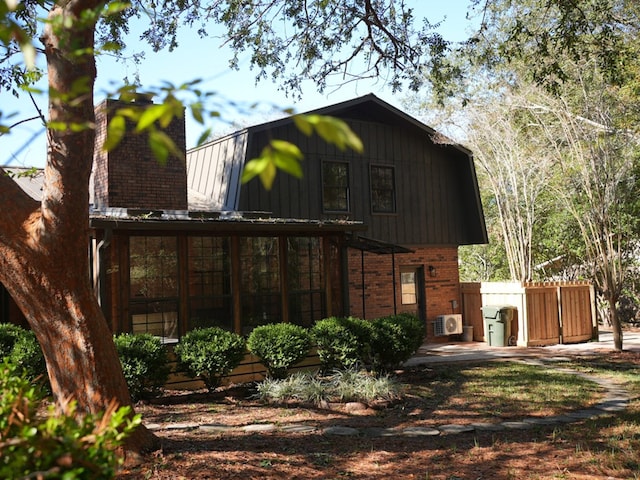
<point x="376" y="246"/>
<point x="219" y="222"/>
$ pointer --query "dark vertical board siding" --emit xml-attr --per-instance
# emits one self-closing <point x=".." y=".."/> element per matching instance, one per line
<point x="388" y="156"/>
<point x="405" y="184"/>
<point x="433" y="186"/>
<point x="432" y="191"/>
<point x="369" y="137"/>
<point x="421" y="192"/>
<point x="451" y="193"/>
<point x="458" y="219"/>
<point x="440" y="193"/>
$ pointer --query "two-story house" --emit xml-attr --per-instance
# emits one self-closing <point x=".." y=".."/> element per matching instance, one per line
<point x="185" y="245"/>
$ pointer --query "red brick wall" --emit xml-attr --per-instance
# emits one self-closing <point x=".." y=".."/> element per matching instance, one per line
<point x="130" y="176"/>
<point x="440" y="290"/>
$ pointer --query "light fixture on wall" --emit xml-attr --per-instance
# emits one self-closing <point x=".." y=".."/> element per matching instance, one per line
<point x="432" y="271"/>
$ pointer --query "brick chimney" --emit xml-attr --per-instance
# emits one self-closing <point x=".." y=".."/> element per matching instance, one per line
<point x="130" y="176"/>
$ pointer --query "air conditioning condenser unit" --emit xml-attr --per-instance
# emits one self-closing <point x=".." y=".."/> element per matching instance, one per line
<point x="450" y="324"/>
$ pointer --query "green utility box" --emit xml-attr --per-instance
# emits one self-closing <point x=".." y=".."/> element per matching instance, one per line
<point x="497" y="324"/>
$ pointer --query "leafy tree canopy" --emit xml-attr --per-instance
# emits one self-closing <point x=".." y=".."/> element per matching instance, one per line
<point x="288" y="41"/>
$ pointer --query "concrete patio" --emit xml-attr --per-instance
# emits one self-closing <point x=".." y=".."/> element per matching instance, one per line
<point x="474" y="351"/>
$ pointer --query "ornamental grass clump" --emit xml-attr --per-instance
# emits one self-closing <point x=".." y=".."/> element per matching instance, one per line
<point x="304" y="387"/>
<point x="279" y="346"/>
<point x="145" y="363"/>
<point x="362" y="386"/>
<point x="210" y="354"/>
<point x="342" y="386"/>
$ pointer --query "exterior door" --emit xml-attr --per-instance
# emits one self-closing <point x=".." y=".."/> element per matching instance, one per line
<point x="412" y="291"/>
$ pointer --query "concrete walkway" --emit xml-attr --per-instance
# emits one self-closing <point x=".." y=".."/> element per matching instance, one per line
<point x="616" y="398"/>
<point x="477" y="351"/>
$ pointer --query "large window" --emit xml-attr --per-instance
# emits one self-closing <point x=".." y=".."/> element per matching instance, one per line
<point x="153" y="280"/>
<point x="210" y="300"/>
<point x="305" y="280"/>
<point x="260" y="281"/>
<point x="187" y="281"/>
<point x="383" y="195"/>
<point x="335" y="186"/>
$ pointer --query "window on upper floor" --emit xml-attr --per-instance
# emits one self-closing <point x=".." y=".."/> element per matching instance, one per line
<point x="335" y="186"/>
<point x="383" y="192"/>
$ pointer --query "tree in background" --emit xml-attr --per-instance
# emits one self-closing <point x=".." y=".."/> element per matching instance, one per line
<point x="584" y="123"/>
<point x="43" y="245"/>
<point x="517" y="168"/>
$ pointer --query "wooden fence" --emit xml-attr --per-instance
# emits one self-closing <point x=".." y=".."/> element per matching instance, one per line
<point x="547" y="313"/>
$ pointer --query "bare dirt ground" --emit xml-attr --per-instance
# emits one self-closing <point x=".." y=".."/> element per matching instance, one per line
<point x="591" y="449"/>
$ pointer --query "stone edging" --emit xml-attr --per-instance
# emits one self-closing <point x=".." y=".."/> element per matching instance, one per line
<point x="616" y="400"/>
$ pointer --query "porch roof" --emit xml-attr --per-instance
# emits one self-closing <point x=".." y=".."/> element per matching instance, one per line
<point x="376" y="246"/>
<point x="241" y="222"/>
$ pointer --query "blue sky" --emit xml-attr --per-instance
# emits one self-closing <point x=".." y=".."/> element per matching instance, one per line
<point x="207" y="60"/>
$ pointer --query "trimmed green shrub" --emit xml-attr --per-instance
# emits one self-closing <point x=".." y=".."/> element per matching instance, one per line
<point x="342" y="343"/>
<point x="22" y="349"/>
<point x="210" y="354"/>
<point x="394" y="340"/>
<point x="56" y="446"/>
<point x="279" y="346"/>
<point x="144" y="363"/>
<point x="414" y="329"/>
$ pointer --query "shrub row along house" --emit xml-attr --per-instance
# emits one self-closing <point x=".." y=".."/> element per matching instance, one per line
<point x="181" y="246"/>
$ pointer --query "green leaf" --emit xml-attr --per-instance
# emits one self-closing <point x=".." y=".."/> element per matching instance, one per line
<point x="196" y="112"/>
<point x="159" y="147"/>
<point x="203" y="137"/>
<point x="115" y="132"/>
<point x="337" y="132"/>
<point x="286" y="148"/>
<point x="286" y="156"/>
<point x="268" y="175"/>
<point x="116" y="7"/>
<point x="279" y="154"/>
<point x="303" y="124"/>
<point x="287" y="164"/>
<point x="332" y="130"/>
<point x="254" y="167"/>
<point x="162" y="145"/>
<point x="150" y="116"/>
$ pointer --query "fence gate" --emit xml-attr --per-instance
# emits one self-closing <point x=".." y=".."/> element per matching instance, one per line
<point x="472" y="309"/>
<point x="577" y="304"/>
<point x="543" y="315"/>
<point x="548" y="313"/>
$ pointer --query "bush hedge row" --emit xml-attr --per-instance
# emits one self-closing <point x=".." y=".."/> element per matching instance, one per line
<point x="211" y="353"/>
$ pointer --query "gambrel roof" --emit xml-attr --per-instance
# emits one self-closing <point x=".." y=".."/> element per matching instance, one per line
<point x="439" y="173"/>
<point x="214" y="169"/>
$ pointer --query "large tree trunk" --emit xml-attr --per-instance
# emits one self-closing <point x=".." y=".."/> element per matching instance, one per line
<point x="44" y="247"/>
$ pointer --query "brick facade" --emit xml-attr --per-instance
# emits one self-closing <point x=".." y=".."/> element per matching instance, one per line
<point x="130" y="176"/>
<point x="442" y="291"/>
